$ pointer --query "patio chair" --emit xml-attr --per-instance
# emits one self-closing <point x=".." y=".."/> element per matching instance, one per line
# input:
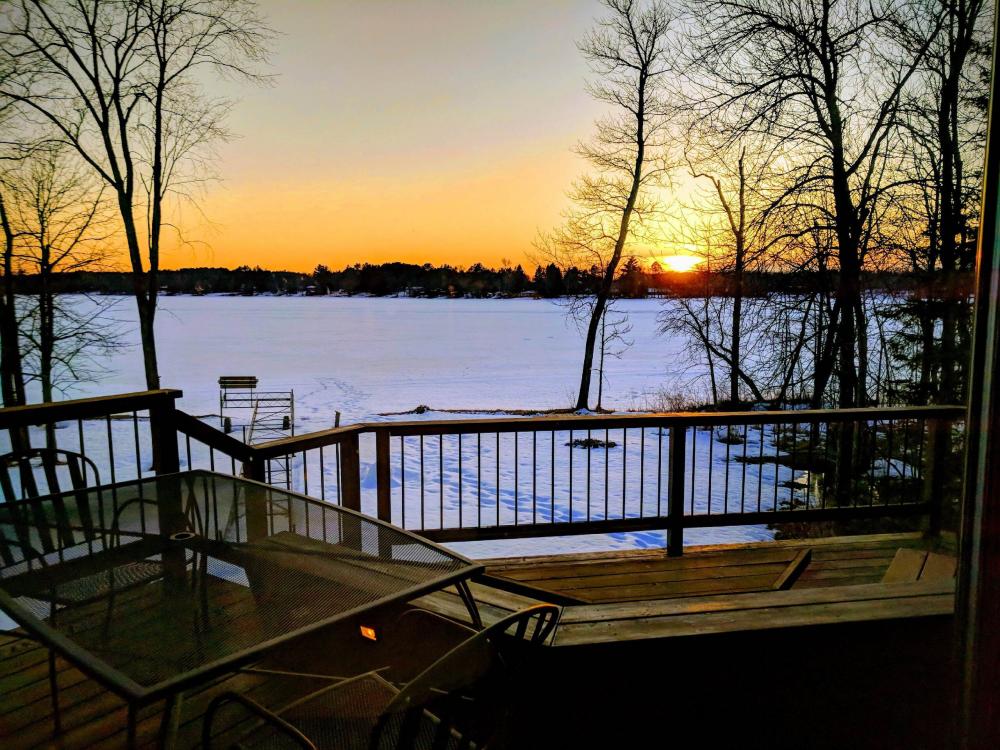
<point x="459" y="701"/>
<point x="76" y="464"/>
<point x="44" y="525"/>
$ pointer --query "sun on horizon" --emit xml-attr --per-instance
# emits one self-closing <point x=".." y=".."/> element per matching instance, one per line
<point x="680" y="263"/>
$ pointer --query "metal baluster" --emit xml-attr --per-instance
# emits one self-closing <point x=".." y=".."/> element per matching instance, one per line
<point x="729" y="446"/>
<point x="515" y="479"/>
<point x="743" y="479"/>
<point x="642" y="471"/>
<point x="441" y="479"/>
<point x="336" y="457"/>
<point x="607" y="480"/>
<point x="305" y="471"/>
<point x="826" y="461"/>
<point x="534" y="476"/>
<point x="711" y="469"/>
<point x="479" y="480"/>
<point x="760" y="467"/>
<point x="694" y="451"/>
<point x="322" y="475"/>
<point x="873" y="432"/>
<point x="402" y="480"/>
<point x="791" y="479"/>
<point x="79" y="434"/>
<point x="659" y="469"/>
<point x="111" y="461"/>
<point x="461" y="499"/>
<point x="552" y="491"/>
<point x="570" y="444"/>
<point x="777" y="466"/>
<point x="588" y="473"/>
<point x="421" y="482"/>
<point x="624" y="465"/>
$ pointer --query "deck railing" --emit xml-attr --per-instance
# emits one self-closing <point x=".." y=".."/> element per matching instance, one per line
<point x="456" y="480"/>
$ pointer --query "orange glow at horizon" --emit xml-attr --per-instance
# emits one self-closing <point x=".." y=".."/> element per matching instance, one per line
<point x="432" y="132"/>
<point x="680" y="263"/>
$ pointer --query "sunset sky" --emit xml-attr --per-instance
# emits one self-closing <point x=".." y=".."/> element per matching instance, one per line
<point x="429" y="131"/>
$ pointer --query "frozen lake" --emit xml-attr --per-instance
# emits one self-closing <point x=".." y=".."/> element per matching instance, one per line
<point x="365" y="356"/>
<point x="370" y="356"/>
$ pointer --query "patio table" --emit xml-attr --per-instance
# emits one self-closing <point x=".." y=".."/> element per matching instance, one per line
<point x="155" y="586"/>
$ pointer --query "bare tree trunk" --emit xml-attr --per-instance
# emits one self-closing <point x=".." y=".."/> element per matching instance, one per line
<point x="11" y="372"/>
<point x="604" y="291"/>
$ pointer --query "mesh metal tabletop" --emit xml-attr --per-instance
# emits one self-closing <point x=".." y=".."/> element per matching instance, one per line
<point x="154" y="584"/>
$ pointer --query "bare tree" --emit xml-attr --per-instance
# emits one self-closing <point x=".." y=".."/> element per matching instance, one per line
<point x="614" y="342"/>
<point x="121" y="83"/>
<point x="825" y="78"/>
<point x="11" y="372"/>
<point x="628" y="53"/>
<point x="61" y="223"/>
<point x="946" y="126"/>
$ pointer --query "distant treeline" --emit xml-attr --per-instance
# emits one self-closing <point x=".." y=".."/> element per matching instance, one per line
<point x="475" y="281"/>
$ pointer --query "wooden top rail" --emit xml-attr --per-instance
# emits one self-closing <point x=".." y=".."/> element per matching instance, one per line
<point x="560" y="422"/>
<point x="213" y="438"/>
<point x="283" y="446"/>
<point x="85" y="408"/>
<point x="678" y="419"/>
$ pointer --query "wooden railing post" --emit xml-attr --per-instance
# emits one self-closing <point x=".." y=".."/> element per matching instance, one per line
<point x="350" y="473"/>
<point x="255" y="468"/>
<point x="256" y="503"/>
<point x="163" y="432"/>
<point x="932" y="474"/>
<point x="383" y="475"/>
<point x="675" y="490"/>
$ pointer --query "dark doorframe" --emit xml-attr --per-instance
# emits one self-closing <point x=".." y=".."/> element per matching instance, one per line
<point x="978" y="605"/>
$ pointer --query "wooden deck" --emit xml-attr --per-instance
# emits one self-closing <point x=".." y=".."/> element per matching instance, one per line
<point x="92" y="717"/>
<point x="641" y="575"/>
<point x="628" y="597"/>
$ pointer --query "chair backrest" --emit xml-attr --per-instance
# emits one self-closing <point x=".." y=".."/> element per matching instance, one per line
<point x="468" y="689"/>
<point x="32" y="524"/>
<point x="80" y="470"/>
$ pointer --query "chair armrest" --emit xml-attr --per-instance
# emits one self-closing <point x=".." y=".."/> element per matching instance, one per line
<point x="257" y="710"/>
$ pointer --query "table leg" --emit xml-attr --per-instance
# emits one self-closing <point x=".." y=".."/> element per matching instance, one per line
<point x="470" y="604"/>
<point x="171" y="721"/>
<point x="130" y="727"/>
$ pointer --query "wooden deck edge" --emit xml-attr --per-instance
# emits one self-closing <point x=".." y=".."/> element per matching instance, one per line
<point x="769" y="618"/>
<point x="606" y="623"/>
<point x="704" y="605"/>
<point x="501" y="562"/>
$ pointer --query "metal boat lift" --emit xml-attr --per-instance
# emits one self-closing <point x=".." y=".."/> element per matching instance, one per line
<point x="271" y="417"/>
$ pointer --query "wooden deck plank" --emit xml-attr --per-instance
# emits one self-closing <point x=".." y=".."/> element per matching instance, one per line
<point x="612" y="576"/>
<point x="771" y="599"/>
<point x="757" y="619"/>
<point x="693" y="563"/>
<point x="905" y="566"/>
<point x="938" y="567"/>
<point x="848" y="560"/>
<point x="793" y="570"/>
<point x="667" y="590"/>
<point x="859" y="541"/>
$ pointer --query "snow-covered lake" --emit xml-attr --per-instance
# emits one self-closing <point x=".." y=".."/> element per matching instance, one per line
<point x="366" y="357"/>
